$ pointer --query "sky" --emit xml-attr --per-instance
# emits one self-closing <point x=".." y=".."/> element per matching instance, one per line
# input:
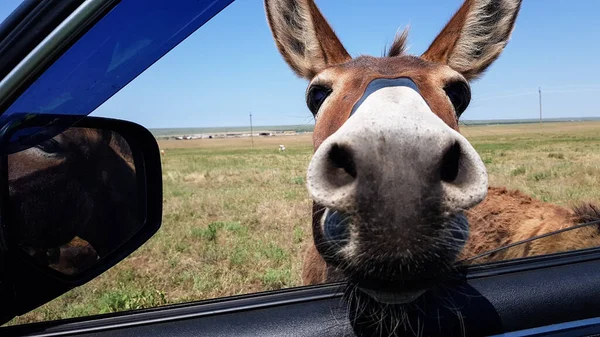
<point x="230" y="67"/>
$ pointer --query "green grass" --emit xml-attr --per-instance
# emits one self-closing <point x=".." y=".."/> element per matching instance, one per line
<point x="237" y="220"/>
<point x="518" y="171"/>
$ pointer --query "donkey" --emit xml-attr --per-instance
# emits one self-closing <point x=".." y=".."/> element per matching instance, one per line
<point x="399" y="195"/>
<point x="73" y="197"/>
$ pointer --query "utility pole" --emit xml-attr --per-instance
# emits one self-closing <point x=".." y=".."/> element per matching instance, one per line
<point x="540" y="91"/>
<point x="251" y="131"/>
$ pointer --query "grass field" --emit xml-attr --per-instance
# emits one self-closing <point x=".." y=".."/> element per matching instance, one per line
<point x="236" y="219"/>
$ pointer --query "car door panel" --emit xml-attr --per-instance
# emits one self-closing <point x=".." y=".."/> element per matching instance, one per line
<point x="491" y="305"/>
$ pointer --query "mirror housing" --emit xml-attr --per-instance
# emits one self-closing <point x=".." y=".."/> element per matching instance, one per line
<point x="77" y="196"/>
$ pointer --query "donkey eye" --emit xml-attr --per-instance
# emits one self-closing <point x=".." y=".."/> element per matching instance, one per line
<point x="459" y="94"/>
<point x="49" y="146"/>
<point x="315" y="97"/>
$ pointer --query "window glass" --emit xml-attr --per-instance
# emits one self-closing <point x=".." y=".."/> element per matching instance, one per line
<point x="237" y="137"/>
<point x="110" y="55"/>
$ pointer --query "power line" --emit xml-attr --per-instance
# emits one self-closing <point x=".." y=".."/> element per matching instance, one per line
<point x="482" y="98"/>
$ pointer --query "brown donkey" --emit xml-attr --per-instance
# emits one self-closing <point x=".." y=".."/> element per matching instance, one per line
<point x="73" y="197"/>
<point x="399" y="194"/>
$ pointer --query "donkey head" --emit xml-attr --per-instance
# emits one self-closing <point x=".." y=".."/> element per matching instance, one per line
<point x="391" y="175"/>
<point x="73" y="197"/>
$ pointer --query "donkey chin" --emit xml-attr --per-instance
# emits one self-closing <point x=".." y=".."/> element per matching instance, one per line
<point x="391" y="187"/>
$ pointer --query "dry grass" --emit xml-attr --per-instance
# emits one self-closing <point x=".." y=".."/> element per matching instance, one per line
<point x="555" y="162"/>
<point x="236" y="220"/>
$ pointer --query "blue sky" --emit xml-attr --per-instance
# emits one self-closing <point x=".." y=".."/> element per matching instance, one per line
<point x="230" y="67"/>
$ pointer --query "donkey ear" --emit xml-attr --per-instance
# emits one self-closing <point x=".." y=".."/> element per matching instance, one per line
<point x="475" y="36"/>
<point x="303" y="36"/>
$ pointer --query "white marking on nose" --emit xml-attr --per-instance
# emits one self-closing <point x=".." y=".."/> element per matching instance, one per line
<point x="396" y="142"/>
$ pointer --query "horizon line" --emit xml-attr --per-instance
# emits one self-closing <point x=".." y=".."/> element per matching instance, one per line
<point x="312" y="125"/>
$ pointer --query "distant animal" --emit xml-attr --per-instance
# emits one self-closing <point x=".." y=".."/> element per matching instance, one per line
<point x="399" y="195"/>
<point x="162" y="152"/>
<point x="281" y="148"/>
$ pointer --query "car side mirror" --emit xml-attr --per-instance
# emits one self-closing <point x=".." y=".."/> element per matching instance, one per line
<point x="77" y="195"/>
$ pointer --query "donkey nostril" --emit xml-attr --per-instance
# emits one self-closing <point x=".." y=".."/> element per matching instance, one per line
<point x="342" y="168"/>
<point x="341" y="157"/>
<point x="450" y="163"/>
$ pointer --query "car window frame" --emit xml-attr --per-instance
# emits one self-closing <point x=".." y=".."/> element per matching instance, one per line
<point x="27" y="26"/>
<point x="50" y="48"/>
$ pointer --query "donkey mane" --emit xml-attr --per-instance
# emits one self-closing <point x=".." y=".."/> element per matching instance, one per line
<point x="398" y="47"/>
<point x="587" y="212"/>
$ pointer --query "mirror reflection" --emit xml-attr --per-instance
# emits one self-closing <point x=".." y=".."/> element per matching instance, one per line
<point x="73" y="198"/>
